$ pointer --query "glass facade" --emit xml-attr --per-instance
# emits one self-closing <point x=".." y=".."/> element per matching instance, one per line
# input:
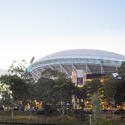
<point x="75" y="61"/>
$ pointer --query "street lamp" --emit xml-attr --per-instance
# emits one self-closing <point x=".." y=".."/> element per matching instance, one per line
<point x="90" y="119"/>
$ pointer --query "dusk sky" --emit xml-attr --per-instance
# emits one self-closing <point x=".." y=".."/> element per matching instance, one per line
<point x="40" y="27"/>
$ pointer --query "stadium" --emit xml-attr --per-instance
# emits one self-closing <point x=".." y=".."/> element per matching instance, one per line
<point x="79" y="64"/>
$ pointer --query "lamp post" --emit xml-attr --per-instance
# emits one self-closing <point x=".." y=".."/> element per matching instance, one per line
<point x="90" y="119"/>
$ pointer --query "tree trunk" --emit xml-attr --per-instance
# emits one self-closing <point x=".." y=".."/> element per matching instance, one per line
<point x="30" y="118"/>
<point x="12" y="114"/>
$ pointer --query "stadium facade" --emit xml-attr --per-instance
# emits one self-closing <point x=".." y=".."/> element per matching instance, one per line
<point x="78" y="64"/>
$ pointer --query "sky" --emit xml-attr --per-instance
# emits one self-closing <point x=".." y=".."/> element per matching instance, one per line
<point x="40" y="27"/>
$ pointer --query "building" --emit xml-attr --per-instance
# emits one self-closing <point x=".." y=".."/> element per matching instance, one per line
<point x="79" y="64"/>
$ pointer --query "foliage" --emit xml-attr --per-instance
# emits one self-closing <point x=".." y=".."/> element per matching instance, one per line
<point x="50" y="74"/>
<point x="6" y="95"/>
<point x="121" y="70"/>
<point x="80" y="98"/>
<point x="53" y="89"/>
<point x="96" y="104"/>
<point x="120" y="93"/>
<point x="50" y="109"/>
<point x="93" y="86"/>
<point x="115" y="87"/>
<point x="110" y="88"/>
<point x="56" y="92"/>
<point x="120" y="111"/>
<point x="62" y="92"/>
<point x="18" y="68"/>
<point x="18" y="84"/>
<point x="41" y="89"/>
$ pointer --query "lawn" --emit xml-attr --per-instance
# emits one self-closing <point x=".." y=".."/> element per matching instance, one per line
<point x="24" y="117"/>
<point x="116" y="119"/>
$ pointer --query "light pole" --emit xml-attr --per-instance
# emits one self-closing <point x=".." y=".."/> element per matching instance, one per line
<point x="90" y="119"/>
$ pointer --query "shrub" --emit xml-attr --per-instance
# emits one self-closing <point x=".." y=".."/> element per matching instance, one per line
<point x="41" y="112"/>
<point x="80" y="114"/>
<point x="48" y="109"/>
<point x="120" y="111"/>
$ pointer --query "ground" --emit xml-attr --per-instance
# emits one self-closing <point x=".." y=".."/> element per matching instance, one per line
<point x="24" y="117"/>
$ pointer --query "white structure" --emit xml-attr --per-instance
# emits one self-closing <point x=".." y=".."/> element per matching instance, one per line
<point x="84" y="60"/>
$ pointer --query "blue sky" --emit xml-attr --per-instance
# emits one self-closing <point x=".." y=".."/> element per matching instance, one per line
<point x="40" y="27"/>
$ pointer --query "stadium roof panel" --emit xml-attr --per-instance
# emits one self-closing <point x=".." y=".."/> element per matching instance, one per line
<point x="77" y="53"/>
<point x="92" y="61"/>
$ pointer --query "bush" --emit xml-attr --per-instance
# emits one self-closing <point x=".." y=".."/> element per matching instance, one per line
<point x="77" y="111"/>
<point x="80" y="114"/>
<point x="41" y="112"/>
<point x="1" y="108"/>
<point x="120" y="111"/>
<point x="48" y="109"/>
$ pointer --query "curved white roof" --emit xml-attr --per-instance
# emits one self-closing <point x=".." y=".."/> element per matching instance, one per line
<point x="82" y="53"/>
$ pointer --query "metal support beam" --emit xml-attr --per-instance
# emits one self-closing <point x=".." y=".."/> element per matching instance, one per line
<point x="63" y="69"/>
<point x="35" y="76"/>
<point x="116" y="68"/>
<point x="88" y="69"/>
<point x="102" y="69"/>
<point x="74" y="68"/>
<point x="50" y="67"/>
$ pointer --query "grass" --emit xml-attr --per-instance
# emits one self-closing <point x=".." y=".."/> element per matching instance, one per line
<point x="116" y="120"/>
<point x="24" y="117"/>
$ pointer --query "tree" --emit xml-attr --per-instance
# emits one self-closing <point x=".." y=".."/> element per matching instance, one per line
<point x="17" y="82"/>
<point x="6" y="95"/>
<point x="81" y="95"/>
<point x="80" y="98"/>
<point x="115" y="87"/>
<point x="110" y="88"/>
<point x="18" y="68"/>
<point x="41" y="89"/>
<point x="63" y="91"/>
<point x="96" y="105"/>
<point x="56" y="90"/>
<point x="93" y="86"/>
<point x="50" y="74"/>
<point x="17" y="86"/>
<point x="121" y="70"/>
<point x="120" y="93"/>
